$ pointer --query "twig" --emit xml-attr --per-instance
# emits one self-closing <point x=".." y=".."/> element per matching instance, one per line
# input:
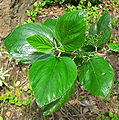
<point x="59" y="54"/>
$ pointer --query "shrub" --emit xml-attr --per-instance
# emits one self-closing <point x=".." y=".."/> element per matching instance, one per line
<point x="55" y="49"/>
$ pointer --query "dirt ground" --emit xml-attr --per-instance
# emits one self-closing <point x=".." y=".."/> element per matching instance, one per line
<point x="82" y="106"/>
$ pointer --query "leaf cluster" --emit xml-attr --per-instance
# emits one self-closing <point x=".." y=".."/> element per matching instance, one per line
<point x="55" y="49"/>
<point x="14" y="96"/>
<point x="34" y="12"/>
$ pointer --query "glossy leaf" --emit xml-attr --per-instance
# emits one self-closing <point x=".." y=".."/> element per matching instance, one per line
<point x="51" y="24"/>
<point x="93" y="29"/>
<point x="97" y="76"/>
<point x="70" y="29"/>
<point x="51" y="78"/>
<point x="20" y="49"/>
<point x="101" y="31"/>
<point x="114" y="47"/>
<point x="52" y="107"/>
<point x="40" y="43"/>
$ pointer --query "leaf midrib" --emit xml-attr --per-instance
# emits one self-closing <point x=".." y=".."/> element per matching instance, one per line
<point x="49" y="81"/>
<point x="94" y="72"/>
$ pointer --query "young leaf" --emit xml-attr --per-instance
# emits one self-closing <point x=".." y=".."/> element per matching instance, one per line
<point x="40" y="43"/>
<point x="20" y="49"/>
<point x="114" y="47"/>
<point x="35" y="4"/>
<point x="28" y="13"/>
<point x="51" y="77"/>
<point x="102" y="29"/>
<point x="51" y="24"/>
<point x="52" y="107"/>
<point x="97" y="76"/>
<point x="70" y="29"/>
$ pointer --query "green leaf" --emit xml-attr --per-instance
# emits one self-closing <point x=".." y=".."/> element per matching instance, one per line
<point x="51" y="77"/>
<point x="88" y="48"/>
<point x="29" y="20"/>
<point x="1" y="118"/>
<point x="28" y="13"/>
<point x="111" y="114"/>
<point x="114" y="47"/>
<point x="89" y="4"/>
<point x="97" y="76"/>
<point x="40" y="43"/>
<point x="20" y="49"/>
<point x="101" y="31"/>
<point x="70" y="29"/>
<point x="28" y="101"/>
<point x="52" y="107"/>
<point x="19" y="103"/>
<point x="12" y="101"/>
<point x="51" y="24"/>
<point x="35" y="4"/>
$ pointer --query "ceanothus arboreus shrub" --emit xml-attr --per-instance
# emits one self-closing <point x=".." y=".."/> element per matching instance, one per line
<point x="55" y="49"/>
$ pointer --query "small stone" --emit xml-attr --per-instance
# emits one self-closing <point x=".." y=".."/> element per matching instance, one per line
<point x="20" y="114"/>
<point x="95" y="109"/>
<point x="8" y="113"/>
<point x="25" y="88"/>
<point x="72" y="102"/>
<point x="89" y="102"/>
<point x="51" y="12"/>
<point x="87" y="32"/>
<point x="17" y="83"/>
<point x="43" y="15"/>
<point x="100" y="6"/>
<point x="55" y="8"/>
<point x="85" y="110"/>
<point x="46" y="13"/>
<point x="115" y="97"/>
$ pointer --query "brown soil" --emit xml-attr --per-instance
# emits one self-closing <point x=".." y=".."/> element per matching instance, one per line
<point x="88" y="108"/>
